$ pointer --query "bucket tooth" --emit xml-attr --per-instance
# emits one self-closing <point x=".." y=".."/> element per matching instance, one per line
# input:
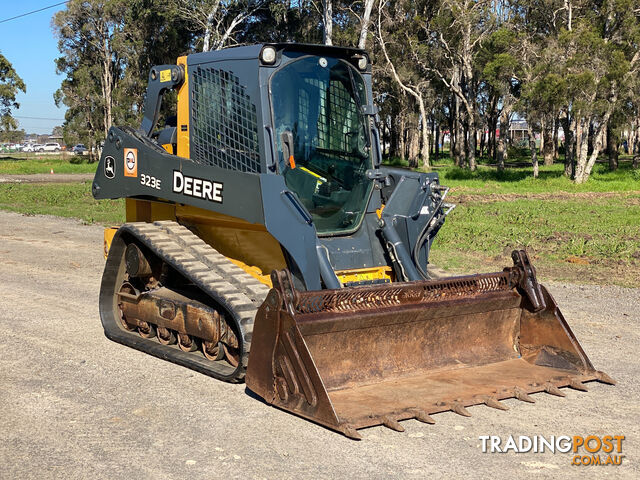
<point x="551" y="389"/>
<point x="494" y="403"/>
<point x="350" y="432"/>
<point x="423" y="416"/>
<point x="578" y="385"/>
<point x="522" y="395"/>
<point x="392" y="424"/>
<point x="604" y="378"/>
<point x="460" y="410"/>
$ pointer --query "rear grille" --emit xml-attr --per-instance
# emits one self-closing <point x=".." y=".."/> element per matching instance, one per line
<point x="224" y="121"/>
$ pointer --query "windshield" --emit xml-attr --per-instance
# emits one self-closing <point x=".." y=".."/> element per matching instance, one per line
<point x="317" y="103"/>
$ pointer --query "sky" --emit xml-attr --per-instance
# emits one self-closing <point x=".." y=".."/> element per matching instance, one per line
<point x="29" y="44"/>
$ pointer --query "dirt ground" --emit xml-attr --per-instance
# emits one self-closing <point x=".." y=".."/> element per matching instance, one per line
<point x="629" y="197"/>
<point x="47" y="178"/>
<point x="76" y="405"/>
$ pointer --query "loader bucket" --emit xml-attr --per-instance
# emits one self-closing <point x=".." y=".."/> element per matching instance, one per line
<point x="375" y="355"/>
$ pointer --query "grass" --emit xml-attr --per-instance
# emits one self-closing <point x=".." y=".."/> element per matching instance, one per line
<point x="27" y="164"/>
<point x="593" y="240"/>
<point x="61" y="199"/>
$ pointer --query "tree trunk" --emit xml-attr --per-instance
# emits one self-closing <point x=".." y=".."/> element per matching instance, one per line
<point x="471" y="155"/>
<point x="582" y="149"/>
<point x="569" y="138"/>
<point x="401" y="138"/>
<point x="364" y="26"/>
<point x="501" y="147"/>
<point x="208" y="32"/>
<point x="459" y="145"/>
<point x="547" y="140"/>
<point x="393" y="135"/>
<point x="585" y="165"/>
<point x="451" y="118"/>
<point x="424" y="129"/>
<point x="436" y="145"/>
<point x="612" y="148"/>
<point x="414" y="145"/>
<point x="556" y="127"/>
<point x="327" y="21"/>
<point x="491" y="141"/>
<point x="465" y="136"/>
<point x="534" y="150"/>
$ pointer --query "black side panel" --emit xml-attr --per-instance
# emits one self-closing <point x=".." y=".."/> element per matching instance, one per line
<point x="133" y="166"/>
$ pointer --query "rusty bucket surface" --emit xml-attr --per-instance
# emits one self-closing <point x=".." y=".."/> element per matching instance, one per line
<point x="376" y="355"/>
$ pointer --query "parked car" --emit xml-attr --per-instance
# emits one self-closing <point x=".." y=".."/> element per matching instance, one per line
<point x="28" y="147"/>
<point x="80" y="149"/>
<point x="50" y="147"/>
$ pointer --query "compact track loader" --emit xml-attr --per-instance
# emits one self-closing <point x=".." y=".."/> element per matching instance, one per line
<point x="265" y="238"/>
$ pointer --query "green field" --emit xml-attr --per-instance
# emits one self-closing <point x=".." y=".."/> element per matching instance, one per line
<point x="29" y="163"/>
<point x="582" y="233"/>
<point x="592" y="238"/>
<point x="61" y="199"/>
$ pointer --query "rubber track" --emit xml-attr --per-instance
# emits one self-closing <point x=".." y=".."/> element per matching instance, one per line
<point x="226" y="283"/>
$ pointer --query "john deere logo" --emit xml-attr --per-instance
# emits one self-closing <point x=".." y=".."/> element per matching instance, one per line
<point x="109" y="167"/>
<point x="130" y="162"/>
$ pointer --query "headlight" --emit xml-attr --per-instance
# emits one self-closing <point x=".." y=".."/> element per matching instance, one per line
<point x="362" y="63"/>
<point x="268" y="55"/>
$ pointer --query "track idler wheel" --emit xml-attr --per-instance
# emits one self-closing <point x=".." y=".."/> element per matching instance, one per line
<point x="232" y="355"/>
<point x="213" y="350"/>
<point x="187" y="343"/>
<point x="126" y="288"/>
<point x="147" y="330"/>
<point x="166" y="336"/>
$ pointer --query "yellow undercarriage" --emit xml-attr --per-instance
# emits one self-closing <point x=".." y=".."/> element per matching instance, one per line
<point x="250" y="246"/>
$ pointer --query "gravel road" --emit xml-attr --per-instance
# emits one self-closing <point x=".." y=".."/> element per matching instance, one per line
<point x="75" y="405"/>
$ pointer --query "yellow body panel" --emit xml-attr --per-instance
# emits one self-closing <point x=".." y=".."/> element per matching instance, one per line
<point x="365" y="274"/>
<point x="109" y="232"/>
<point x="248" y="245"/>
<point x="183" y="113"/>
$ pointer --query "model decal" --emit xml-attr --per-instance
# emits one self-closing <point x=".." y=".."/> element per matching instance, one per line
<point x="197" y="187"/>
<point x="150" y="181"/>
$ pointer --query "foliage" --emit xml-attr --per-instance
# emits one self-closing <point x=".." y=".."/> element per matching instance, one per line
<point x="10" y="85"/>
<point x="444" y="70"/>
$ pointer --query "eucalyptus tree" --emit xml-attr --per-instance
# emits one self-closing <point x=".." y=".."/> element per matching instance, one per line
<point x="10" y="85"/>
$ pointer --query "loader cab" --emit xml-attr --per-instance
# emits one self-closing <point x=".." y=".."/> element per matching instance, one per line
<point x="295" y="110"/>
<point x="323" y="138"/>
